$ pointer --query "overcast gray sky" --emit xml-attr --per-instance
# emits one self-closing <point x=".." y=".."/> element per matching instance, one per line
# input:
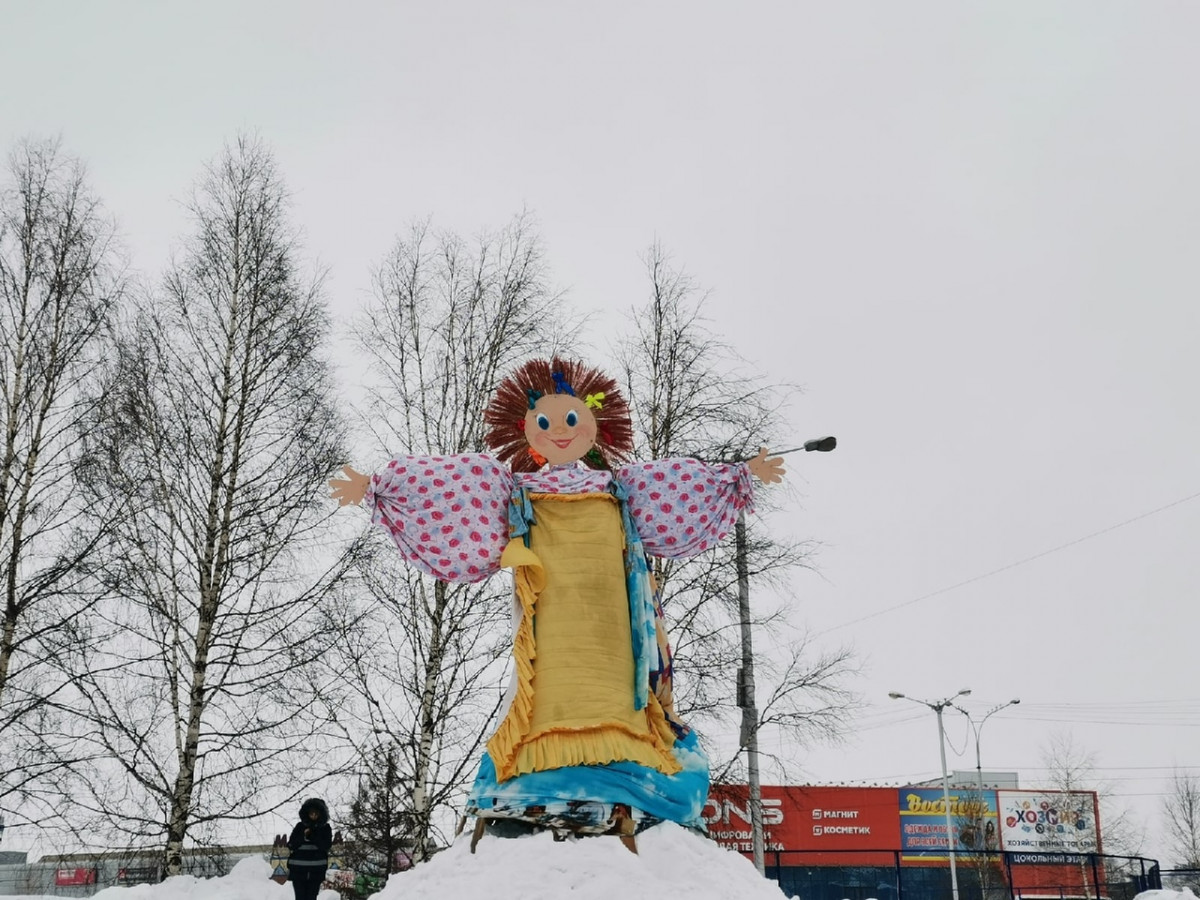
<point x="970" y="231"/>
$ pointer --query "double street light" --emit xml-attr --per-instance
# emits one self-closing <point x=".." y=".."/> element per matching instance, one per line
<point x="977" y="730"/>
<point x="939" y="706"/>
<point x="745" y="685"/>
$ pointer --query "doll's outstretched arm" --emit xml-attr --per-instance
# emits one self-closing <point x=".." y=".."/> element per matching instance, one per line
<point x="683" y="506"/>
<point x="351" y="490"/>
<point x="448" y="515"/>
<point x="768" y="471"/>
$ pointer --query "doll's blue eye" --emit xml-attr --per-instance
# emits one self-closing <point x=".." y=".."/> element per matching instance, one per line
<point x="543" y="422"/>
<point x="572" y="419"/>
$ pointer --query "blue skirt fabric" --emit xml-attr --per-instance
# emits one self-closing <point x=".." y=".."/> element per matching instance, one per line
<point x="577" y="795"/>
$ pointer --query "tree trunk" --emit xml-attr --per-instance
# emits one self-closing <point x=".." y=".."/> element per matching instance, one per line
<point x="433" y="669"/>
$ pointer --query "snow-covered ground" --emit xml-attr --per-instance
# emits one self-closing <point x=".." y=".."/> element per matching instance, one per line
<point x="672" y="864"/>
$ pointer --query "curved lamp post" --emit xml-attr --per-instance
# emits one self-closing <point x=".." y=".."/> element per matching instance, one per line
<point x="745" y="685"/>
<point x="977" y="730"/>
<point x="939" y="706"/>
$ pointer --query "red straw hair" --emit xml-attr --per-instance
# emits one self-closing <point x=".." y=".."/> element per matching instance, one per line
<point x="505" y="414"/>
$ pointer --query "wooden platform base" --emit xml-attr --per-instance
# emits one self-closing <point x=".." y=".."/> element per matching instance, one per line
<point x="621" y="825"/>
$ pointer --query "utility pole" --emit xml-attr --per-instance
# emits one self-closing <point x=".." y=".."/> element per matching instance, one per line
<point x="938" y="707"/>
<point x="745" y="685"/>
<point x="745" y="694"/>
<point x="977" y="729"/>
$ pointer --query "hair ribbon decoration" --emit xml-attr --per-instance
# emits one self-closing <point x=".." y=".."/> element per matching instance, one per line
<point x="560" y="384"/>
<point x="534" y="397"/>
<point x="594" y="401"/>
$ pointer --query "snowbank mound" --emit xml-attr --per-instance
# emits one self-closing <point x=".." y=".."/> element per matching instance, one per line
<point x="671" y="862"/>
<point x="249" y="880"/>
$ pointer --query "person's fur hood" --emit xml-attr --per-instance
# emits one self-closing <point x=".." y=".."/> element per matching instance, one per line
<point x="319" y="805"/>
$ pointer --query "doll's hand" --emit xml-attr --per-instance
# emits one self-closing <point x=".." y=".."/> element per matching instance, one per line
<point x="349" y="491"/>
<point x="766" y="470"/>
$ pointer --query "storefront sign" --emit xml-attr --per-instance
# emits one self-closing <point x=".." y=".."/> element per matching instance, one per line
<point x="1048" y="821"/>
<point x="835" y="820"/>
<point x="806" y="818"/>
<point x="74" y="877"/>
<point x="138" y="875"/>
<point x="1047" y="859"/>
<point x="923" y="821"/>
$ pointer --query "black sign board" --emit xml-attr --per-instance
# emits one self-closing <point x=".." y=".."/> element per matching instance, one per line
<point x="138" y="875"/>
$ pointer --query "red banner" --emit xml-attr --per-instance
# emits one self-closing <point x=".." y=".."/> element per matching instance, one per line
<point x="813" y="819"/>
<point x="74" y="877"/>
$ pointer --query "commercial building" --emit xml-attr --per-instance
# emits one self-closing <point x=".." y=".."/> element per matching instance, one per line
<point x="853" y="843"/>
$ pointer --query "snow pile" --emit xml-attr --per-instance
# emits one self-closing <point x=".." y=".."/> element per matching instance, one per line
<point x="671" y="862"/>
<point x="249" y="880"/>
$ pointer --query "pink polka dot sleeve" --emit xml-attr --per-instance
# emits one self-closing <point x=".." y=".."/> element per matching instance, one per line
<point x="683" y="506"/>
<point x="448" y="515"/>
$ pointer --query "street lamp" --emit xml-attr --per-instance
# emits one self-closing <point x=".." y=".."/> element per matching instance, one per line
<point x="938" y="707"/>
<point x="977" y="730"/>
<point x="745" y="685"/>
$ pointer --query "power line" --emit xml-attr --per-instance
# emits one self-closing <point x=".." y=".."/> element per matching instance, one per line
<point x="905" y="779"/>
<point x="1148" y="723"/>
<point x="1119" y="769"/>
<point x="1132" y="705"/>
<point x="1130" y="714"/>
<point x="1012" y="565"/>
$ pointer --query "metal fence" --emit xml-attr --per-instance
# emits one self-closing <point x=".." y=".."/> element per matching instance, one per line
<point x="81" y="875"/>
<point x="1178" y="879"/>
<point x="889" y="875"/>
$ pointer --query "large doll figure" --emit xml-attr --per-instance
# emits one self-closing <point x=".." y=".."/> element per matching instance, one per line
<point x="589" y="740"/>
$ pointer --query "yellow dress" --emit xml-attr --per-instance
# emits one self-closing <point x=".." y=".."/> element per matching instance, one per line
<point x="574" y="703"/>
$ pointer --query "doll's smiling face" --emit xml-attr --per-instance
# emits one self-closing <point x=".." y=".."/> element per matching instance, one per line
<point x="561" y="428"/>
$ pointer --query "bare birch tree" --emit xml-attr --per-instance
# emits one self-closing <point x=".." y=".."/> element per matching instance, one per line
<point x="449" y="318"/>
<point x="60" y="283"/>
<point x="691" y="395"/>
<point x="1072" y="768"/>
<point x="219" y="433"/>
<point x="1181" y="816"/>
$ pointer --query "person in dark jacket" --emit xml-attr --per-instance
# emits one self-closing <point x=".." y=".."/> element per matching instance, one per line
<point x="309" y="846"/>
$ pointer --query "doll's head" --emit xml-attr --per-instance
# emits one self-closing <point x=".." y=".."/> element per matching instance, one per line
<point x="558" y="411"/>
